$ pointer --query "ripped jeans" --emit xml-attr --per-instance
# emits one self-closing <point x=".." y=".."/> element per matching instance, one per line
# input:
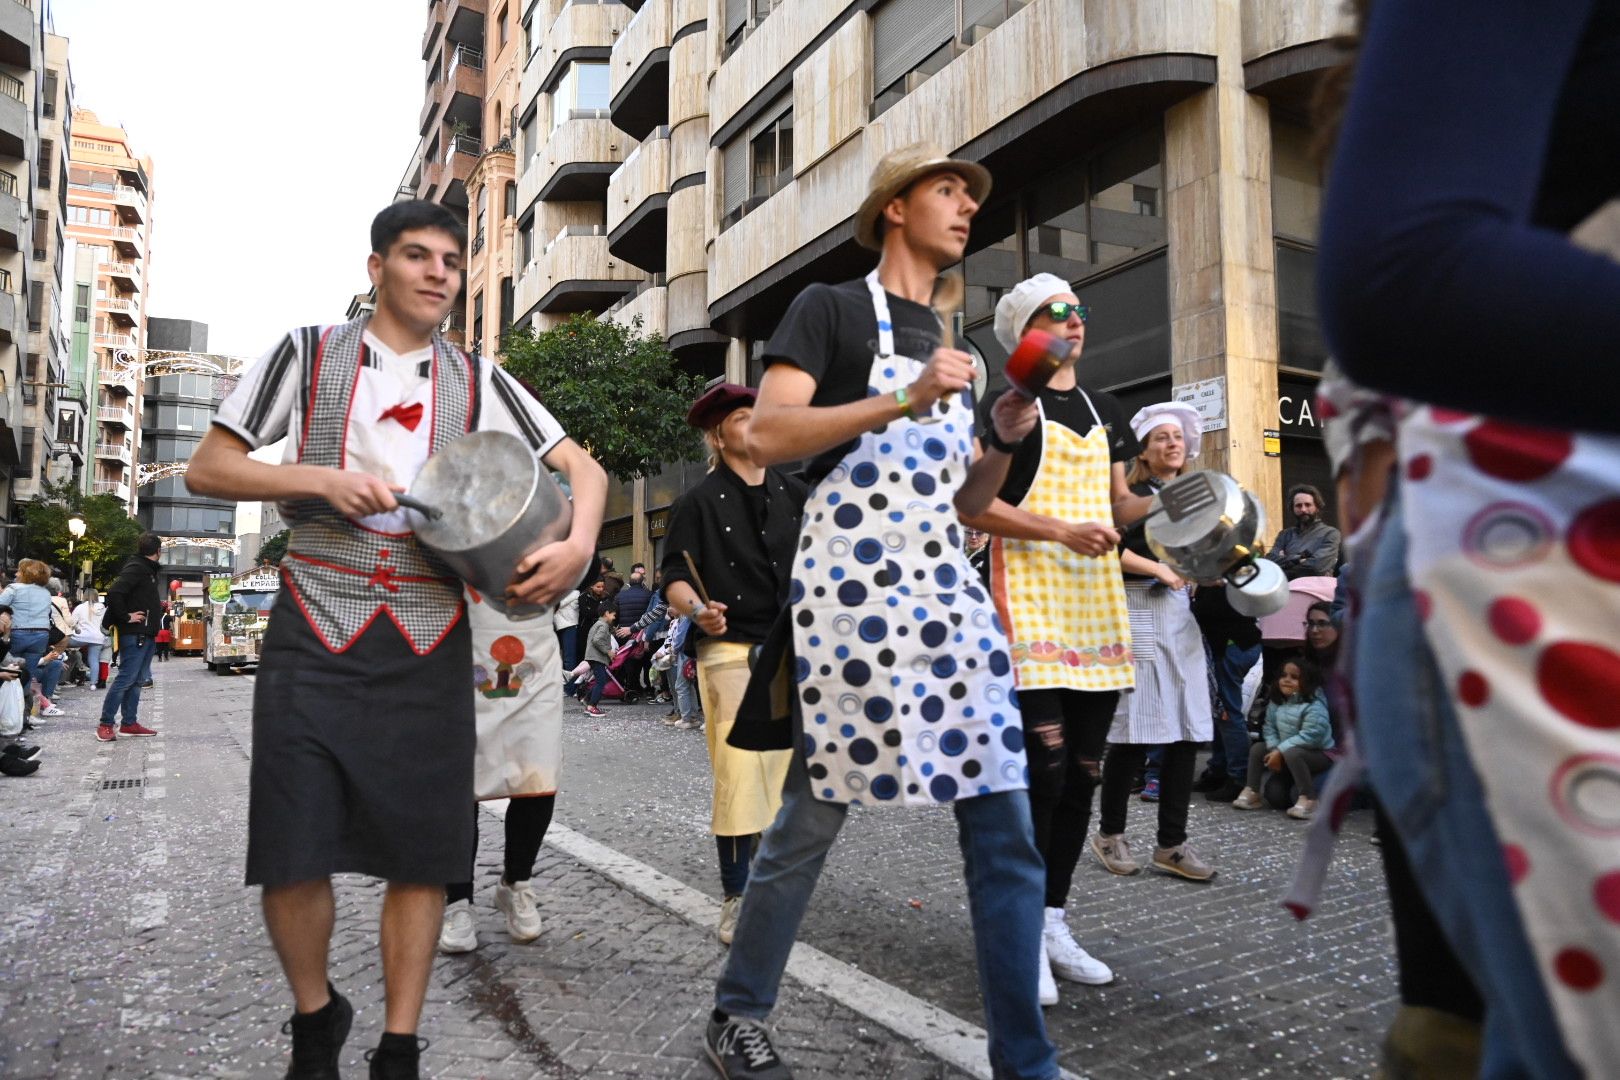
<point x="1064" y="735"/>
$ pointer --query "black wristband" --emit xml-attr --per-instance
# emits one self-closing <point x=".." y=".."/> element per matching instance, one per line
<point x="993" y="439"/>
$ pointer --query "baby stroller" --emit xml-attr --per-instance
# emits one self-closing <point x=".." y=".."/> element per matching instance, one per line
<point x="628" y="670"/>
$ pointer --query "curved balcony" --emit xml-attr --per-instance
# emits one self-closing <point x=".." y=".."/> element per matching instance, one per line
<point x="639" y="77"/>
<point x="580" y="156"/>
<point x="575" y="272"/>
<point x="637" y="204"/>
<point x="13" y="117"/>
<point x="649" y="303"/>
<point x="1287" y="45"/>
<point x="581" y="31"/>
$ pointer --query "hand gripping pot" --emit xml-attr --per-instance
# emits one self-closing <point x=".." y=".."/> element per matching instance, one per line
<point x="492" y="502"/>
<point x="1205" y="526"/>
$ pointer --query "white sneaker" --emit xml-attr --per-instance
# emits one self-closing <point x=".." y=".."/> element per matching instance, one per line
<point x="522" y="916"/>
<point x="53" y="711"/>
<point x="457" y="935"/>
<point x="1068" y="960"/>
<point x="1046" y="987"/>
<point x="729" y="909"/>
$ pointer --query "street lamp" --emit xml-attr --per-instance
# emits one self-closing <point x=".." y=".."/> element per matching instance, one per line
<point x="76" y="528"/>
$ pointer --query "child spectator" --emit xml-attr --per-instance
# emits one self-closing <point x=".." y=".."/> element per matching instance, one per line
<point x="599" y="653"/>
<point x="1297" y="734"/>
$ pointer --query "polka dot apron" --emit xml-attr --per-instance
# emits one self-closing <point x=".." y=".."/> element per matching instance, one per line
<point x="903" y="672"/>
<point x="1516" y="568"/>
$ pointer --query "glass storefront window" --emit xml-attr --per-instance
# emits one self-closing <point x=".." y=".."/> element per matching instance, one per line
<point x="1299" y="333"/>
<point x="1128" y="333"/>
<point x="1126" y="196"/>
<point x="1059" y="233"/>
<point x="991" y="269"/>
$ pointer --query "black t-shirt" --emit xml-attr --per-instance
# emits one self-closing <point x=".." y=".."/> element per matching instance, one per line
<point x="1066" y="407"/>
<point x="830" y="332"/>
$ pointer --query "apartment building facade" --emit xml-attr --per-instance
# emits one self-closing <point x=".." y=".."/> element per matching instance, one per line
<point x="177" y="408"/>
<point x="110" y="199"/>
<point x="697" y="163"/>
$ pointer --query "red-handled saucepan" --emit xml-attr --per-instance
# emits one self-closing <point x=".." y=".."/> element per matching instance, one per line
<point x="1037" y="358"/>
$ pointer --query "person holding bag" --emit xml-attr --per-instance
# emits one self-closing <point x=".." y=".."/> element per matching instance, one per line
<point x="88" y="635"/>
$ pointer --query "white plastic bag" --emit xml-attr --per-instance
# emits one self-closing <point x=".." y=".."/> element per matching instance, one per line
<point x="11" y="707"/>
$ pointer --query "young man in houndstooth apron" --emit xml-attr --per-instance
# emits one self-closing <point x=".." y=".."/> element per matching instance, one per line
<point x="363" y="730"/>
<point x="904" y="679"/>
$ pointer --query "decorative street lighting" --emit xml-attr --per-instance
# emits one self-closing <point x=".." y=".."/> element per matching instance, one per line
<point x="76" y="528"/>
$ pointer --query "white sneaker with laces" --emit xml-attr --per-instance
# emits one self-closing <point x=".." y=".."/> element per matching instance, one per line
<point x="458" y="935"/>
<point x="1068" y="960"/>
<point x="522" y="914"/>
<point x="1046" y="988"/>
<point x="53" y="711"/>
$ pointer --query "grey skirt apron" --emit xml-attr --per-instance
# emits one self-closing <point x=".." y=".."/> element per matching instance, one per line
<point x="903" y="673"/>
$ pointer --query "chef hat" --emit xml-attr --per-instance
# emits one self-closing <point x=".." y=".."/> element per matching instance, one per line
<point x="1018" y="306"/>
<point x="1171" y="412"/>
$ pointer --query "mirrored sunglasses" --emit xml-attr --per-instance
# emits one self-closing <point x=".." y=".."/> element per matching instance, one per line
<point x="1062" y="309"/>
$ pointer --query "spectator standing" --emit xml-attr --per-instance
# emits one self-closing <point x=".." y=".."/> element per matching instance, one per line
<point x="632" y="601"/>
<point x="1170" y="705"/>
<point x="165" y="635"/>
<point x="1309" y="547"/>
<point x="565" y="621"/>
<point x="31" y="612"/>
<point x="740" y="526"/>
<point x="133" y="609"/>
<point x="599" y="654"/>
<point x="88" y="635"/>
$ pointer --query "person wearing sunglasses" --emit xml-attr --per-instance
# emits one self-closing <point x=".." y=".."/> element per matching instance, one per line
<point x="1055" y="578"/>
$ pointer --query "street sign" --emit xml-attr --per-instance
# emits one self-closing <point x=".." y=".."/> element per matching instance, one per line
<point x="1208" y="396"/>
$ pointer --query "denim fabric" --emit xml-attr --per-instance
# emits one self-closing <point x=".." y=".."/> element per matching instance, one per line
<point x="1005" y="880"/>
<point x="92" y="660"/>
<point x="1231" y="747"/>
<point x="50" y="677"/>
<point x="686" y="696"/>
<point x="125" y="690"/>
<point x="599" y="681"/>
<point x="30" y="647"/>
<point x="567" y="646"/>
<point x="1420" y="770"/>
<point x="736" y="852"/>
<point x="30" y="606"/>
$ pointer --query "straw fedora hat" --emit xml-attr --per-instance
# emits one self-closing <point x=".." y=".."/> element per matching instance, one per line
<point x="901" y="168"/>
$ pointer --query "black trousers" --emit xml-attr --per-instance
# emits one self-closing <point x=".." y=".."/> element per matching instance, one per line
<point x="527" y="820"/>
<point x="1064" y="735"/>
<point x="1175" y="787"/>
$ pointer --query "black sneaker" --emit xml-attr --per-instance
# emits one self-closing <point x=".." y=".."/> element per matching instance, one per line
<point x="1209" y="781"/>
<point x="1226" y="792"/>
<point x="741" y="1049"/>
<point x="318" y="1039"/>
<point x="22" y="751"/>
<point x="397" y="1057"/>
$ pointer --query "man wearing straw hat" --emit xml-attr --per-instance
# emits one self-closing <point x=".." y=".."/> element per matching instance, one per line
<point x="904" y="686"/>
<point x="363" y="729"/>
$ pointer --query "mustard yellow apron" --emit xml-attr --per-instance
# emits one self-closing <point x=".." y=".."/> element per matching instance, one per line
<point x="1065" y="613"/>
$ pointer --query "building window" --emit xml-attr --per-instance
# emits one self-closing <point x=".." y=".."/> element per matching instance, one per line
<point x="36" y="306"/>
<point x="531" y="140"/>
<point x="47" y="163"/>
<point x="508" y="302"/>
<point x="1081" y="220"/>
<point x="81" y="303"/>
<point x="49" y="104"/>
<point x="511" y="199"/>
<point x="914" y="39"/>
<point x="581" y="92"/>
<point x="742" y="16"/>
<point x="500" y="21"/>
<point x="478" y="321"/>
<point x="770" y="148"/>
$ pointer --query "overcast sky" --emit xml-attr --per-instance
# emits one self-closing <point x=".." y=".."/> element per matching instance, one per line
<point x="276" y="132"/>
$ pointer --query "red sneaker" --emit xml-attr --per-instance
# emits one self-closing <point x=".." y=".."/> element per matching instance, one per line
<point x="136" y="731"/>
<point x="105" y="733"/>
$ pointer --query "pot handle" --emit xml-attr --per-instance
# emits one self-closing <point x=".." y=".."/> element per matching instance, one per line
<point x="411" y="502"/>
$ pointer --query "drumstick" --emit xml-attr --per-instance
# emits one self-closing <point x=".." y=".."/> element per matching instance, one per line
<point x="703" y="594"/>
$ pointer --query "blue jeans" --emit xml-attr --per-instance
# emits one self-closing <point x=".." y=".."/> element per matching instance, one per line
<point x="685" y="692"/>
<point x="92" y="660"/>
<point x="567" y="645"/>
<point x="125" y="689"/>
<point x="599" y="681"/>
<point x="1420" y="770"/>
<point x="50" y="676"/>
<point x="30" y="647"/>
<point x="1006" y="884"/>
<point x="1230" y="752"/>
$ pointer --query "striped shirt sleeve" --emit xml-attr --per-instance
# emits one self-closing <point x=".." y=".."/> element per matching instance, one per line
<point x="260" y="409"/>
<point x="508" y="407"/>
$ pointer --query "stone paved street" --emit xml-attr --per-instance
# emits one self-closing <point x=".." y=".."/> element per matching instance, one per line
<point x="130" y="949"/>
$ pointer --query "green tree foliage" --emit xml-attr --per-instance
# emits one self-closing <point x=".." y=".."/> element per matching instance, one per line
<point x="109" y="533"/>
<point x="272" y="550"/>
<point x="616" y="390"/>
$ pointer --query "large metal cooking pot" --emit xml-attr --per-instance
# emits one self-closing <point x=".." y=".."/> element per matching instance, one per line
<point x="1206" y="527"/>
<point x="492" y="503"/>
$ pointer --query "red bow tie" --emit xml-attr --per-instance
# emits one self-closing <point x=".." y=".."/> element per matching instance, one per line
<point x="408" y="415"/>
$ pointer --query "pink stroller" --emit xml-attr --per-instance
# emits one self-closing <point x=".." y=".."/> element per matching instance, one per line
<point x="624" y="672"/>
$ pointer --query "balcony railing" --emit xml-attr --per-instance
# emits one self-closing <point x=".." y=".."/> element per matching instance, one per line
<point x="118" y="303"/>
<point x="112" y="487"/>
<point x="11" y="86"/>
<point x="462" y="144"/>
<point x="116" y="451"/>
<point x="464" y="56"/>
<point x="478" y="242"/>
<point x="572" y="230"/>
<point x="5" y="280"/>
<point x="115" y="341"/>
<point x="125" y="193"/>
<point x="128" y="236"/>
<point x="116" y="416"/>
<point x="8" y="183"/>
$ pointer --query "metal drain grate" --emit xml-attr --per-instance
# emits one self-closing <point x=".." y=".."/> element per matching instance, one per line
<point x="119" y="785"/>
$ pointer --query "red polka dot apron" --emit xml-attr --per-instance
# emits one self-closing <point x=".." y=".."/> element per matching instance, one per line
<point x="1517" y="573"/>
<point x="903" y="672"/>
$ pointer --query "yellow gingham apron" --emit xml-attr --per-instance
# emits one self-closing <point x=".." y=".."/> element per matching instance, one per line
<point x="1065" y="612"/>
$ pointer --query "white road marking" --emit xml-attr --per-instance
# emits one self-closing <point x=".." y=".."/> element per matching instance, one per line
<point x="949" y="1038"/>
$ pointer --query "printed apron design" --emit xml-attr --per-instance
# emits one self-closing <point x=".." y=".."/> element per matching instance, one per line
<point x="903" y="672"/>
<point x="517" y="690"/>
<point x="1064" y="612"/>
<point x="1171" y="699"/>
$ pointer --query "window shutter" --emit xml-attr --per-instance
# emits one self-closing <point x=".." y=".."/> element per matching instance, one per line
<point x="736" y="16"/>
<point x="982" y="13"/>
<point x="734" y="173"/>
<point x="904" y="32"/>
